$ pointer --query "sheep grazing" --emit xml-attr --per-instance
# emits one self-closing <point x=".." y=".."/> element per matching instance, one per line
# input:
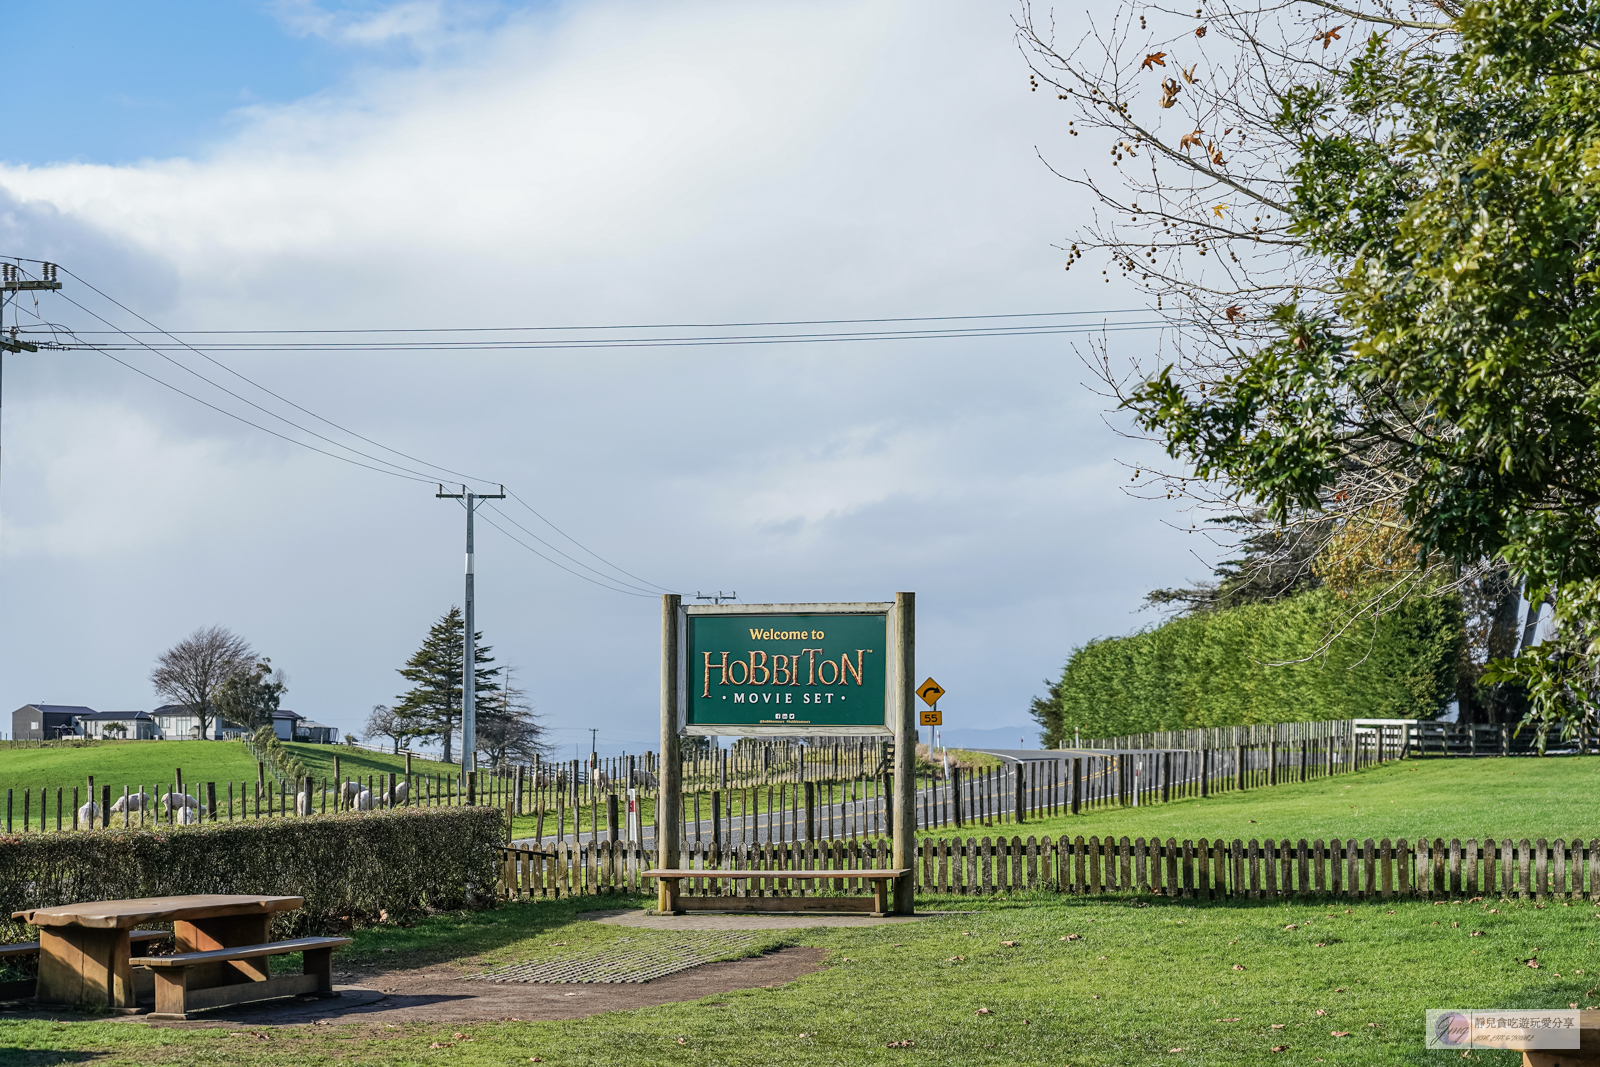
<point x="364" y="801"/>
<point x="89" y="814"/>
<point x="400" y="793"/>
<point x="350" y="790"/>
<point x="186" y="816"/>
<point x="302" y="803"/>
<point x="179" y="800"/>
<point x="132" y="802"/>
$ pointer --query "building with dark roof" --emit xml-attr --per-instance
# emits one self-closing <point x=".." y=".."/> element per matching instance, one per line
<point x="45" y="722"/>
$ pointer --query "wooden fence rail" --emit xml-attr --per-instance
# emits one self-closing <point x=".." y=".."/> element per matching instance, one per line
<point x="1203" y="870"/>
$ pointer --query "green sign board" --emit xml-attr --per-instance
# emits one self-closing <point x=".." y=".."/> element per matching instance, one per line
<point x="802" y="670"/>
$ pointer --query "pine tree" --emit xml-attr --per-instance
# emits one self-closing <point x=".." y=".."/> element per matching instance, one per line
<point x="432" y="708"/>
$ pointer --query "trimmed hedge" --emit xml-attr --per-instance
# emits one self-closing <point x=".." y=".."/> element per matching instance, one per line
<point x="350" y="867"/>
<point x="1212" y="669"/>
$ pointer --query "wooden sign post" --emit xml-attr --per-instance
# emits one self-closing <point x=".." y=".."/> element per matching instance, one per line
<point x="788" y="670"/>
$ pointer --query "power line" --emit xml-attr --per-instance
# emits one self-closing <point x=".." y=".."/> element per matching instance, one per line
<point x="388" y="467"/>
<point x="671" y="325"/>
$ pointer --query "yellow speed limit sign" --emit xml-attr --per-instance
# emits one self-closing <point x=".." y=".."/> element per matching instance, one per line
<point x="930" y="692"/>
<point x="932" y="718"/>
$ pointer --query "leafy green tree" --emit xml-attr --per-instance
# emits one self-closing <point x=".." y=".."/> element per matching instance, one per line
<point x="251" y="694"/>
<point x="431" y="708"/>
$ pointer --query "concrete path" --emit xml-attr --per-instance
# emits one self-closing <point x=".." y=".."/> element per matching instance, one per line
<point x="712" y="921"/>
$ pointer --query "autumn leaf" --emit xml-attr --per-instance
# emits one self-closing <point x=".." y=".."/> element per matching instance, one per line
<point x="1532" y="963"/>
<point x="1174" y="1050"/>
<point x="1230" y="313"/>
<point x="1238" y="966"/>
<point x="1339" y="1033"/>
<point x="1191" y="139"/>
<point x="1158" y="59"/>
<point x="1215" y="153"/>
<point x="1009" y="944"/>
<point x="1219" y="209"/>
<point x="1071" y="937"/>
<point x="984" y="1011"/>
<point x="1278" y="1026"/>
<point x="1169" y="92"/>
<point x="1188" y="75"/>
<point x="907" y="1043"/>
<point x="1280" y="1048"/>
<point x="1476" y="933"/>
<point x="1327" y="37"/>
<point x="1201" y="32"/>
<point x="955" y="959"/>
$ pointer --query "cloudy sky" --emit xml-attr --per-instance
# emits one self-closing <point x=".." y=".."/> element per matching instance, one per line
<point x="248" y="165"/>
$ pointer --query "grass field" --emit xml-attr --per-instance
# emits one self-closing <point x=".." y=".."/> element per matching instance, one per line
<point x="119" y="763"/>
<point x="1147" y="982"/>
<point x="1437" y="797"/>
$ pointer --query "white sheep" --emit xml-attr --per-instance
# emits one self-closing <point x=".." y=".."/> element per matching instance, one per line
<point x="179" y="800"/>
<point x="364" y="801"/>
<point x="303" y="803"/>
<point x="400" y="793"/>
<point x="89" y="814"/>
<point x="188" y="815"/>
<point x="139" y="801"/>
<point x="349" y="791"/>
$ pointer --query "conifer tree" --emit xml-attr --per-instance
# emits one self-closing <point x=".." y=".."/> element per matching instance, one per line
<point x="432" y="707"/>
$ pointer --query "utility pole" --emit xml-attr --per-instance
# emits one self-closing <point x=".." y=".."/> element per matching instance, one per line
<point x="469" y="671"/>
<point x="11" y="281"/>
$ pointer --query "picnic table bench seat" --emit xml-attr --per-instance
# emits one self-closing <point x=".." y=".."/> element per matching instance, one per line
<point x="671" y="901"/>
<point x="176" y="996"/>
<point x="23" y="988"/>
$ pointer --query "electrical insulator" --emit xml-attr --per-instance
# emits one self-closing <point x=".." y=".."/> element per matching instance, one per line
<point x="8" y="272"/>
<point x="49" y="272"/>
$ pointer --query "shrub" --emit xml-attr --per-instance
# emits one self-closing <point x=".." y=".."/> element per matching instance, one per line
<point x="349" y="868"/>
<point x="1215" y="669"/>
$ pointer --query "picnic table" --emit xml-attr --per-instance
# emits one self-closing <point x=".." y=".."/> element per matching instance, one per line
<point x="222" y="941"/>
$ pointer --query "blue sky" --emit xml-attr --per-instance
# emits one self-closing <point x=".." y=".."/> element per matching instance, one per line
<point x="234" y="165"/>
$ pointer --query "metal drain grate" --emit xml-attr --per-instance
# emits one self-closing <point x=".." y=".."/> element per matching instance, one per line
<point x="626" y="960"/>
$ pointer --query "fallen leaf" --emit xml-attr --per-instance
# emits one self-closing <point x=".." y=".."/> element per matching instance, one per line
<point x="1230" y="313"/>
<point x="1476" y="933"/>
<point x="1373" y="1025"/>
<point x="1339" y="990"/>
<point x="1238" y="966"/>
<point x="1102" y="957"/>
<point x="458" y="1037"/>
<point x="1009" y="944"/>
<point x="1320" y="944"/>
<point x="438" y="1044"/>
<point x="1158" y="59"/>
<point x="681" y="1041"/>
<point x="984" y="1011"/>
<point x="1232" y="1020"/>
<point x="1532" y="963"/>
<point x="955" y="959"/>
<point x="1279" y="1026"/>
<point x="1321" y="1011"/>
<point x="1339" y="1033"/>
<point x="1280" y="1048"/>
<point x="1174" y="1050"/>
<point x="907" y="1043"/>
<point x="535" y="1059"/>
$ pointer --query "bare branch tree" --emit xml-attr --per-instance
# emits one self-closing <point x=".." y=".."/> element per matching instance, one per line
<point x="191" y="671"/>
<point x="383" y="722"/>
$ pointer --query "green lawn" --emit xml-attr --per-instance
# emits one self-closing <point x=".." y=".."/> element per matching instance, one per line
<point x="119" y="763"/>
<point x="1147" y="982"/>
<point x="1437" y="797"/>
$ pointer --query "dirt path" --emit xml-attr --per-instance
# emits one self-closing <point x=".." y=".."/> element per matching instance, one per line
<point x="436" y="995"/>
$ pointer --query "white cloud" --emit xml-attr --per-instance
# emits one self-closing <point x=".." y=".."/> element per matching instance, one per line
<point x="611" y="162"/>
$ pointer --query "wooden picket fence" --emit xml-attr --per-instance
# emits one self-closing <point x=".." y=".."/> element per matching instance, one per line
<point x="1203" y="869"/>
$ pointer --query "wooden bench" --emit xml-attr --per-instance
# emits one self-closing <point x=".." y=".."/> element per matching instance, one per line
<point x="23" y="988"/>
<point x="191" y="981"/>
<point x="671" y="902"/>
